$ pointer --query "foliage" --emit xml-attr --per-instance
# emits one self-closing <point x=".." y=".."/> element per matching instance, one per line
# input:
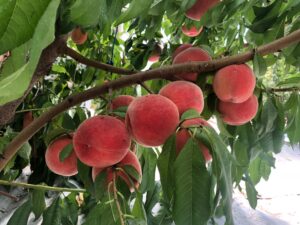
<point x="124" y="33"/>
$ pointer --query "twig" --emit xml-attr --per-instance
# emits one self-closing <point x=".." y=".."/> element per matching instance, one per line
<point x="93" y="63"/>
<point x="39" y="186"/>
<point x="115" y="191"/>
<point x="160" y="73"/>
<point x="146" y="87"/>
<point x="9" y="196"/>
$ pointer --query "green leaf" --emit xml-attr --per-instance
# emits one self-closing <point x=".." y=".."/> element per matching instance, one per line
<point x="69" y="213"/>
<point x="131" y="171"/>
<point x="84" y="172"/>
<point x="21" y="215"/>
<point x="52" y="214"/>
<point x="65" y="153"/>
<point x="38" y="202"/>
<point x="165" y="165"/>
<point x="222" y="163"/>
<point x="150" y="161"/>
<point x="25" y="151"/>
<point x="192" y="182"/>
<point x="189" y="114"/>
<point x="259" y="168"/>
<point x="251" y="193"/>
<point x="85" y="15"/>
<point x="259" y="65"/>
<point x="138" y="210"/>
<point x="264" y="21"/>
<point x="14" y="86"/>
<point x="18" y="21"/>
<point x="100" y="185"/>
<point x="136" y="8"/>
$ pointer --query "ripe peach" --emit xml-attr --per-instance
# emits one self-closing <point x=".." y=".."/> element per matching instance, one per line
<point x="183" y="135"/>
<point x="192" y="31"/>
<point x="130" y="159"/>
<point x="192" y="54"/>
<point x="151" y="119"/>
<point x="200" y="8"/>
<point x="181" y="48"/>
<point x="101" y="141"/>
<point x="234" y="83"/>
<point x="66" y="168"/>
<point x="78" y="36"/>
<point x="28" y="118"/>
<point x="121" y="101"/>
<point x="185" y="95"/>
<point x="238" y="113"/>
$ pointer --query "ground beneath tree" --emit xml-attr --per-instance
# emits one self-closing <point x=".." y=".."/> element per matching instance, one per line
<point x="279" y="201"/>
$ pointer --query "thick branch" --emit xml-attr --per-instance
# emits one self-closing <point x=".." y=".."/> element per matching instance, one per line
<point x="164" y="72"/>
<point x="93" y="63"/>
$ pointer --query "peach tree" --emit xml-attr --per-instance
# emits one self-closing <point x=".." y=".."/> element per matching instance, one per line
<point x="144" y="112"/>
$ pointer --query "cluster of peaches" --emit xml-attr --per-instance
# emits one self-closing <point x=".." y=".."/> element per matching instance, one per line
<point x="104" y="142"/>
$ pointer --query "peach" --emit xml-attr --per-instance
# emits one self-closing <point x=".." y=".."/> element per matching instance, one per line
<point x="183" y="136"/>
<point x="78" y="36"/>
<point x="192" y="54"/>
<point x="234" y="83"/>
<point x="185" y="95"/>
<point x="238" y="113"/>
<point x="155" y="54"/>
<point x="121" y="101"/>
<point x="130" y="159"/>
<point x="200" y="8"/>
<point x="28" y="118"/>
<point x="192" y="31"/>
<point x="101" y="141"/>
<point x="67" y="167"/>
<point x="151" y="119"/>
<point x="181" y="48"/>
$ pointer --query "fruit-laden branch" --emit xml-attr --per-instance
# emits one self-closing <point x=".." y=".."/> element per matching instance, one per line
<point x="93" y="63"/>
<point x="165" y="72"/>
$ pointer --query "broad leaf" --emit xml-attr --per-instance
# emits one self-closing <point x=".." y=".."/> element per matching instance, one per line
<point x="165" y="165"/>
<point x="38" y="202"/>
<point x="85" y="14"/>
<point x="20" y="216"/>
<point x="42" y="37"/>
<point x="136" y="8"/>
<point x="192" y="187"/>
<point x="52" y="214"/>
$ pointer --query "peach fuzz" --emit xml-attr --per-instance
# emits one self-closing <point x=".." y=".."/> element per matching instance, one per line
<point x="101" y="141"/>
<point x="238" y="113"/>
<point x="185" y="95"/>
<point x="68" y="167"/>
<point x="192" y="54"/>
<point x="121" y="101"/>
<point x="151" y="119"/>
<point x="78" y="36"/>
<point x="200" y="8"/>
<point x="183" y="136"/>
<point x="181" y="48"/>
<point x="192" y="31"/>
<point x="131" y="160"/>
<point x="234" y="83"/>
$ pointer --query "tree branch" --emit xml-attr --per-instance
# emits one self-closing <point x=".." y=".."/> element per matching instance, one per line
<point x="93" y="63"/>
<point x="164" y="72"/>
<point x="40" y="187"/>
